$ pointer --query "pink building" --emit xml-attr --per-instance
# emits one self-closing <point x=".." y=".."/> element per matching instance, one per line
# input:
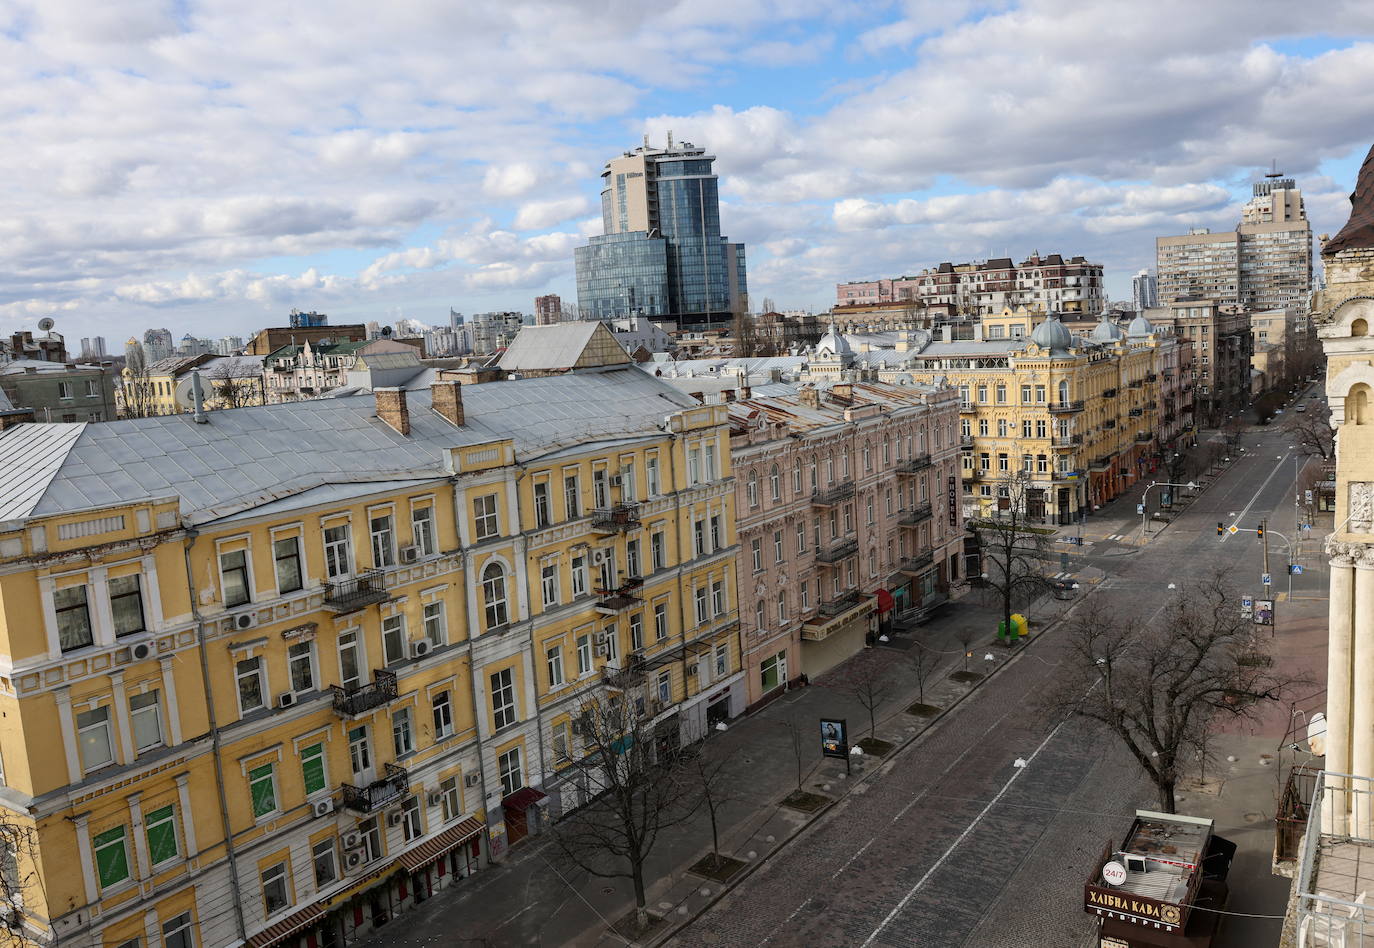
<point x="847" y="515"/>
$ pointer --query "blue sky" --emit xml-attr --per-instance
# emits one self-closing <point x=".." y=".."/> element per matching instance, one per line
<point x="209" y="166"/>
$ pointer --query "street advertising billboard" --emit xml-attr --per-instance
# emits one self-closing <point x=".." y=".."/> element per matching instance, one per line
<point x="834" y="738"/>
<point x="1264" y="612"/>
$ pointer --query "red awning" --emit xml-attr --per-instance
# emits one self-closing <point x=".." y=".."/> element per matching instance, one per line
<point x="432" y="849"/>
<point x="523" y="799"/>
<point x="286" y="927"/>
<point x="885" y="601"/>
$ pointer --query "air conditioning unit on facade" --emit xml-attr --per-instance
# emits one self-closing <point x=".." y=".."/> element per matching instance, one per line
<point x="394" y="817"/>
<point x="599" y="557"/>
<point x="324" y="807"/>
<point x="409" y="554"/>
<point x="617" y="480"/>
<point x="245" y="620"/>
<point x="692" y="670"/>
<point x="421" y="648"/>
<point x="140" y="651"/>
<point x="602" y="650"/>
<point x="352" y="839"/>
<point x="601" y="638"/>
<point x="286" y="699"/>
<point x="435" y="797"/>
<point x="353" y="860"/>
<point x="471" y="780"/>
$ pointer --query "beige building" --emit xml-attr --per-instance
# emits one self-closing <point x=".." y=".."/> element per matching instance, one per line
<point x="1221" y="339"/>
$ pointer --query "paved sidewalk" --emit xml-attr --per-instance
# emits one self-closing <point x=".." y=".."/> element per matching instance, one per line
<point x="533" y="898"/>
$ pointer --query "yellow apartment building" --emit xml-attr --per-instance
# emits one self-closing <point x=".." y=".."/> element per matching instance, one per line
<point x="277" y="675"/>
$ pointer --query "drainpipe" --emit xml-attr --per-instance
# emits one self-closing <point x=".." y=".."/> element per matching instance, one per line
<point x="215" y="745"/>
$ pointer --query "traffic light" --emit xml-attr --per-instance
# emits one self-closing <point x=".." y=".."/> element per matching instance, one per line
<point x="1260" y="530"/>
<point x="1221" y="529"/>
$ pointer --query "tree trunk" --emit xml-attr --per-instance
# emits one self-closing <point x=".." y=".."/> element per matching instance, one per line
<point x="641" y="909"/>
<point x="715" y="833"/>
<point x="1166" y="796"/>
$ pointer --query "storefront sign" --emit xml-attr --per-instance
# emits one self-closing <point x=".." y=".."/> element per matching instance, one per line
<point x="1113" y="873"/>
<point x="953" y="501"/>
<point x="834" y="737"/>
<point x="1140" y="909"/>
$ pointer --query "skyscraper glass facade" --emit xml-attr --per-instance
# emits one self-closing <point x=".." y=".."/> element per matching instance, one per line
<point x="622" y="275"/>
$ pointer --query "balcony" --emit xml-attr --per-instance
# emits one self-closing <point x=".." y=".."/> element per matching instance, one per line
<point x="1109" y="392"/>
<point x="1136" y="383"/>
<point x="914" y="565"/>
<point x="918" y="463"/>
<point x="350" y="703"/>
<point x="350" y="595"/>
<point x="833" y="607"/>
<point x="379" y="793"/>
<point x="628" y="676"/>
<point x="1332" y="839"/>
<point x="1102" y="463"/>
<point x="837" y="552"/>
<point x="917" y="515"/>
<point x="1065" y="408"/>
<point x="966" y="442"/>
<point x="832" y="496"/>
<point x="618" y="519"/>
<point x="968" y="408"/>
<point x="615" y="601"/>
<point x="1144" y="437"/>
<point x="1066" y="441"/>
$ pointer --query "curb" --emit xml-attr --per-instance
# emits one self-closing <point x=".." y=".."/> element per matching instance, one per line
<point x="756" y="864"/>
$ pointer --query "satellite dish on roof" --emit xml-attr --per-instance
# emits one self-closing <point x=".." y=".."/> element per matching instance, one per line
<point x="46" y="323"/>
<point x="183" y="395"/>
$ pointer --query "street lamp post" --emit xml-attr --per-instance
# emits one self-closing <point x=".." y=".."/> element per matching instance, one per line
<point x="1145" y="501"/>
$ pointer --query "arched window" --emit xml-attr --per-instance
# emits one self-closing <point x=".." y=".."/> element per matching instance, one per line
<point x="751" y="489"/>
<point x="1359" y="327"/>
<point x="1064" y="392"/>
<point x="1357" y="405"/>
<point x="775" y="483"/>
<point x="494" y="595"/>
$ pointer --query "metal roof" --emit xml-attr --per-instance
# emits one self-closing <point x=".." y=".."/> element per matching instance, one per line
<point x="577" y="344"/>
<point x="244" y="457"/>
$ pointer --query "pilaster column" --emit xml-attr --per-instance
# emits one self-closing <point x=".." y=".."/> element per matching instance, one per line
<point x="1362" y="690"/>
<point x="188" y="816"/>
<point x="1339" y="674"/>
<point x="87" y="857"/>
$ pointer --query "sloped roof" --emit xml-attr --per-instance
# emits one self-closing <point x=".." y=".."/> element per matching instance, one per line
<point x="1358" y="232"/>
<point x="572" y="345"/>
<point x="245" y="457"/>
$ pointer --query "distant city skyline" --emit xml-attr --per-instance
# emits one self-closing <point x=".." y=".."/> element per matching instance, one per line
<point x="853" y="142"/>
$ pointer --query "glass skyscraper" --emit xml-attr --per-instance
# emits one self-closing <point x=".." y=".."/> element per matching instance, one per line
<point x="662" y="254"/>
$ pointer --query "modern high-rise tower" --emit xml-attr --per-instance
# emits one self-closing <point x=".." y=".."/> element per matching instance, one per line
<point x="1144" y="291"/>
<point x="661" y="253"/>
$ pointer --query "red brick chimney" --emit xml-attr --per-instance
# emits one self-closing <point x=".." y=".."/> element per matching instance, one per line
<point x="391" y="408"/>
<point x="447" y="399"/>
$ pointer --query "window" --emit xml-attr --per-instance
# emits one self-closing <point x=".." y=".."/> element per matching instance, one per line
<point x="983" y="427"/>
<point x="248" y="675"/>
<point x="126" y="604"/>
<point x="1003" y="428"/>
<point x="300" y="662"/>
<point x="286" y="555"/>
<point x="371" y="833"/>
<point x="554" y="658"/>
<point x="91" y="390"/>
<point x="436" y="628"/>
<point x="443" y="716"/>
<point x="359" y="750"/>
<point x="450" y="801"/>
<point x="651" y="475"/>
<point x="699" y="537"/>
<point x="64" y="390"/>
<point x="393" y="639"/>
<point x="756" y="551"/>
<point x="93" y="733"/>
<point x="709" y="473"/>
<point x="632" y="563"/>
<point x="782" y="608"/>
<point x="494" y="595"/>
<point x="146" y="720"/>
<point x="336" y="558"/>
<point x="410" y="819"/>
<point x="484" y="516"/>
<point x="601" y="493"/>
<point x="542" y="517"/>
<point x="177" y="933"/>
<point x="111" y="857"/>
<point x="693" y="466"/>
<point x="584" y="655"/>
<point x="774" y="483"/>
<point x="383" y="541"/>
<point x="313" y="768"/>
<point x="233" y="571"/>
<point x="262" y="788"/>
<point x="509" y="766"/>
<point x="350" y="662"/>
<point x="751" y="490"/>
<point x="722" y="660"/>
<point x="548" y="582"/>
<point x="502" y="699"/>
<point x="1001" y="394"/>
<point x="665" y="686"/>
<point x="636" y="632"/>
<point x="324" y="854"/>
<point x="716" y="532"/>
<point x="73" y="618"/>
<point x="868" y="511"/>
<point x="773" y="671"/>
<point x="402" y="732"/>
<point x="718" y="604"/>
<point x="660" y="622"/>
<point x="796" y="479"/>
<point x="422" y="530"/>
<point x="777" y="546"/>
<point x="701" y="607"/>
<point x="558" y="740"/>
<point x="656" y="551"/>
<point x="627" y="482"/>
<point x="274" y="896"/>
<point x="579" y="576"/>
<point x="1002" y="462"/>
<point x="570" y="501"/>
<point x="161" y="828"/>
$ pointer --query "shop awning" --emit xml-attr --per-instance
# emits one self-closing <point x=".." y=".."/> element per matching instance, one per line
<point x="523" y="799"/>
<point x="820" y="628"/>
<point x="274" y="934"/>
<point x="432" y="849"/>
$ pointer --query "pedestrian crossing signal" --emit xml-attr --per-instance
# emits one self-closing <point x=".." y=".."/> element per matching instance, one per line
<point x="1221" y="529"/>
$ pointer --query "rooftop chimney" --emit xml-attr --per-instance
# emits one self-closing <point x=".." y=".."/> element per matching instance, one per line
<point x="446" y="397"/>
<point x="810" y="397"/>
<point x="391" y="408"/>
<point x="946" y="333"/>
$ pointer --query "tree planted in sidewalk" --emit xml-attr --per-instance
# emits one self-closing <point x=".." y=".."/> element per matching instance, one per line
<point x="1158" y="682"/>
<point x="638" y="794"/>
<point x="706" y="784"/>
<point x="1313" y="431"/>
<point x="923" y="665"/>
<point x="864" y="680"/>
<point x="1013" y="551"/>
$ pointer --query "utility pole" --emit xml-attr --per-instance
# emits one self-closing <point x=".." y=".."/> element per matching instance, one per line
<point x="1264" y="539"/>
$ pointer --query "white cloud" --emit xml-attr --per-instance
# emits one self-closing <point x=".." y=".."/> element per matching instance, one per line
<point x="537" y="215"/>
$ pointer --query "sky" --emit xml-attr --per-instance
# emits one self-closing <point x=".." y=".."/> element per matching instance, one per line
<point x="209" y="166"/>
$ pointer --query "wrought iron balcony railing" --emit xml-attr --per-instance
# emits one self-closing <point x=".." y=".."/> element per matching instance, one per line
<point x="349" y="595"/>
<point x="393" y="785"/>
<point x="618" y="519"/>
<point x="831" y="496"/>
<point x="837" y="552"/>
<point x="1064" y="408"/>
<point x="918" y="514"/>
<point x="918" y="463"/>
<point x="351" y="702"/>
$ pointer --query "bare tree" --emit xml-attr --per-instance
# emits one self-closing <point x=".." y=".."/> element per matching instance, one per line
<point x="137" y="397"/>
<point x="1013" y="552"/>
<point x="923" y="666"/>
<point x="639" y="795"/>
<point x="707" y="785"/>
<point x="18" y="879"/>
<point x="864" y="681"/>
<point x="746" y="336"/>
<point x="1157" y="684"/>
<point x="1232" y="430"/>
<point x="768" y="306"/>
<point x="794" y="735"/>
<point x="1314" y="433"/>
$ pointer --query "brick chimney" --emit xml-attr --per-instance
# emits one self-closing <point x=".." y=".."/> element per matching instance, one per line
<point x="391" y="408"/>
<point x="447" y="399"/>
<point x="810" y="397"/>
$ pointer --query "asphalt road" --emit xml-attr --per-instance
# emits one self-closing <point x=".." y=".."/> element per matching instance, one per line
<point x="954" y="844"/>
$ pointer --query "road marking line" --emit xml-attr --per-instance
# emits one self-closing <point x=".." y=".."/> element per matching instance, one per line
<point x="1277" y="467"/>
<point x="962" y="836"/>
<point x="852" y="858"/>
<point x="789" y="918"/>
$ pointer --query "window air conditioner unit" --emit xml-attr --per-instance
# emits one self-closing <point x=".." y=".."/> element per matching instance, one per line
<point x="435" y="797"/>
<point x="394" y="817"/>
<point x="286" y="699"/>
<point x="421" y="648"/>
<point x="617" y="480"/>
<point x="140" y="651"/>
<point x="601" y="637"/>
<point x="352" y="839"/>
<point x="353" y="860"/>
<point x="471" y="780"/>
<point x="599" y="557"/>
<point x="601" y="650"/>
<point x="324" y="807"/>
<point x="245" y="620"/>
<point x="409" y="554"/>
<point x="692" y="669"/>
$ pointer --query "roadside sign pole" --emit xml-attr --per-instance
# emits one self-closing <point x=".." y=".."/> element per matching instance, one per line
<point x="1265" y="541"/>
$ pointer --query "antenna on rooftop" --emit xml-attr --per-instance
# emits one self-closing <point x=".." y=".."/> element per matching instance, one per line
<point x="1274" y="171"/>
<point x="670" y="139"/>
